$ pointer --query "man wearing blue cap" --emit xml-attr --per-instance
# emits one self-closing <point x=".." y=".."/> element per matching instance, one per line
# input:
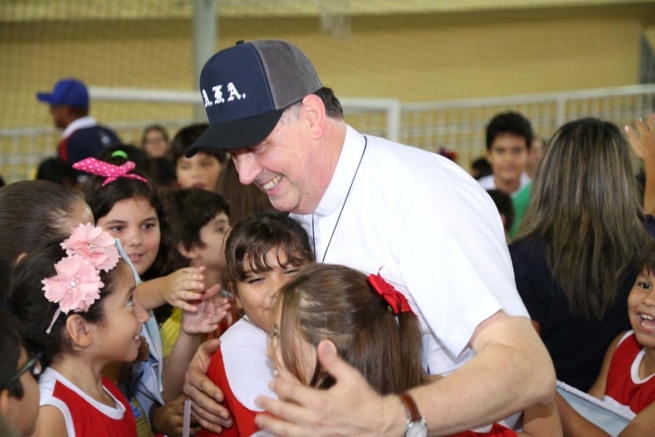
<point x="82" y="137"/>
<point x="374" y="205"/>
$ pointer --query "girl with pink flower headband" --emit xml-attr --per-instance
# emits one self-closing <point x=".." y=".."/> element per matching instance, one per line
<point x="75" y="299"/>
<point x="129" y="208"/>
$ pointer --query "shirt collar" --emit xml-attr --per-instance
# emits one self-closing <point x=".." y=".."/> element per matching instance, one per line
<point x="346" y="169"/>
<point x="80" y="123"/>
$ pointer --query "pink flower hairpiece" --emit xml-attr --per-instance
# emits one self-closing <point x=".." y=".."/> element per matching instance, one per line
<point x="109" y="171"/>
<point x="77" y="284"/>
<point x="92" y="243"/>
<point x="397" y="301"/>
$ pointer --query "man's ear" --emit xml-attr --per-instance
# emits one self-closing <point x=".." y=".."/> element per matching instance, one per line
<point x="4" y="403"/>
<point x="79" y="331"/>
<point x="188" y="254"/>
<point x="314" y="113"/>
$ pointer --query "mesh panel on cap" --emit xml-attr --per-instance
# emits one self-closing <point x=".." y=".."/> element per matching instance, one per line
<point x="290" y="73"/>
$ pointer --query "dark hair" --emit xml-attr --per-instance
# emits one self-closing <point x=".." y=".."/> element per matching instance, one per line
<point x="57" y="171"/>
<point x="244" y="199"/>
<point x="30" y="213"/>
<point x="188" y="210"/>
<point x="102" y="200"/>
<point x="337" y="303"/>
<point x="186" y="136"/>
<point x="589" y="246"/>
<point x="252" y="238"/>
<point x="481" y="168"/>
<point x="154" y="127"/>
<point x="27" y="300"/>
<point x="11" y="341"/>
<point x="505" y="206"/>
<point x="332" y="105"/>
<point x="134" y="154"/>
<point x="2" y="182"/>
<point x="162" y="172"/>
<point x="647" y="259"/>
<point x="509" y="123"/>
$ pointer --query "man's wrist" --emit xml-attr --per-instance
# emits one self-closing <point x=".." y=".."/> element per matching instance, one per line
<point x="394" y="415"/>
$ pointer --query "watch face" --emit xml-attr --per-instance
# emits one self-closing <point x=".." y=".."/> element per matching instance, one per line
<point x="417" y="429"/>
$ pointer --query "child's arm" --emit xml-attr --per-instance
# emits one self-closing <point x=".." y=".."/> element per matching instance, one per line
<point x="644" y="148"/>
<point x="50" y="423"/>
<point x="175" y="289"/>
<point x="598" y="389"/>
<point x="541" y="421"/>
<point x="642" y="425"/>
<point x="211" y="310"/>
<point x="573" y="423"/>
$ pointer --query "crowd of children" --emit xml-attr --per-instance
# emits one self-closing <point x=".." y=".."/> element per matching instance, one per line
<point x="107" y="292"/>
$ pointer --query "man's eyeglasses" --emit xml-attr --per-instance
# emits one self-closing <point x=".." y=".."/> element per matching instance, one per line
<point x="33" y="366"/>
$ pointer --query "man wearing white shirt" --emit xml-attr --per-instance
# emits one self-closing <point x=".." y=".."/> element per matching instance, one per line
<point x="374" y="205"/>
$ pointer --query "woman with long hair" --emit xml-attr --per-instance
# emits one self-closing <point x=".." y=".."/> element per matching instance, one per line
<point x="575" y="258"/>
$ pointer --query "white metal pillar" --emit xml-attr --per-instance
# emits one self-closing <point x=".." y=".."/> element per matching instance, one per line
<point x="205" y="37"/>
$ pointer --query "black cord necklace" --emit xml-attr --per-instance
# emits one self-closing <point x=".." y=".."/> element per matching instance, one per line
<point x="342" y="207"/>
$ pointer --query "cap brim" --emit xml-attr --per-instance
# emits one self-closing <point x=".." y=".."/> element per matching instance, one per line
<point x="44" y="97"/>
<point x="236" y="134"/>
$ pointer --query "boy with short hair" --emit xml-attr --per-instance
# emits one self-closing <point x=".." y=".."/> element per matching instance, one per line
<point x="202" y="169"/>
<point x="509" y="137"/>
<point x="19" y="389"/>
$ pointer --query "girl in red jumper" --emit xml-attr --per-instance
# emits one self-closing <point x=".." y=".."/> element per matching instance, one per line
<point x="626" y="379"/>
<point x="75" y="299"/>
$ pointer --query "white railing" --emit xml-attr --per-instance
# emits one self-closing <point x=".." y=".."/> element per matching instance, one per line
<point x="457" y="125"/>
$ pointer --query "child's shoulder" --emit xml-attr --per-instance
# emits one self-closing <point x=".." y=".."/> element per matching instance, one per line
<point x="241" y="335"/>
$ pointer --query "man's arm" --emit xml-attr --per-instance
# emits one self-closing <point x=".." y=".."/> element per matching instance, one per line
<point x="510" y="372"/>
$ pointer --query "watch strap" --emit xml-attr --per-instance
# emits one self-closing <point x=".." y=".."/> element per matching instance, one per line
<point x="410" y="407"/>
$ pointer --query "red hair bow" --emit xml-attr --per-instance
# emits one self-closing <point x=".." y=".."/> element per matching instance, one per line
<point x="397" y="301"/>
<point x="109" y="171"/>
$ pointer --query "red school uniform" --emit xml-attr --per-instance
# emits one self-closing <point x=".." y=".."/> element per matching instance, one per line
<point x="84" y="415"/>
<point x="624" y="389"/>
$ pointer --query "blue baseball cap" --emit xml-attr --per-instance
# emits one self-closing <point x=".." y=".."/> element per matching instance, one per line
<point x="246" y="88"/>
<point x="67" y="92"/>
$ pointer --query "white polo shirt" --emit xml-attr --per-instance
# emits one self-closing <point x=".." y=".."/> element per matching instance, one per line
<point x="489" y="183"/>
<point x="432" y="230"/>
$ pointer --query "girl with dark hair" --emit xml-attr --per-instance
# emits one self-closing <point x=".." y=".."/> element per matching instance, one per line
<point x="626" y="381"/>
<point x="575" y="258"/>
<point x="262" y="253"/>
<point x="155" y="142"/>
<point x="75" y="298"/>
<point x="129" y="208"/>
<point x="372" y="327"/>
<point x="32" y="212"/>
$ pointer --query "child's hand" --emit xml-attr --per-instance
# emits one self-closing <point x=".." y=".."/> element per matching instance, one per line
<point x="184" y="285"/>
<point x="210" y="312"/>
<point x="644" y="146"/>
<point x="168" y="419"/>
<point x="144" y="350"/>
